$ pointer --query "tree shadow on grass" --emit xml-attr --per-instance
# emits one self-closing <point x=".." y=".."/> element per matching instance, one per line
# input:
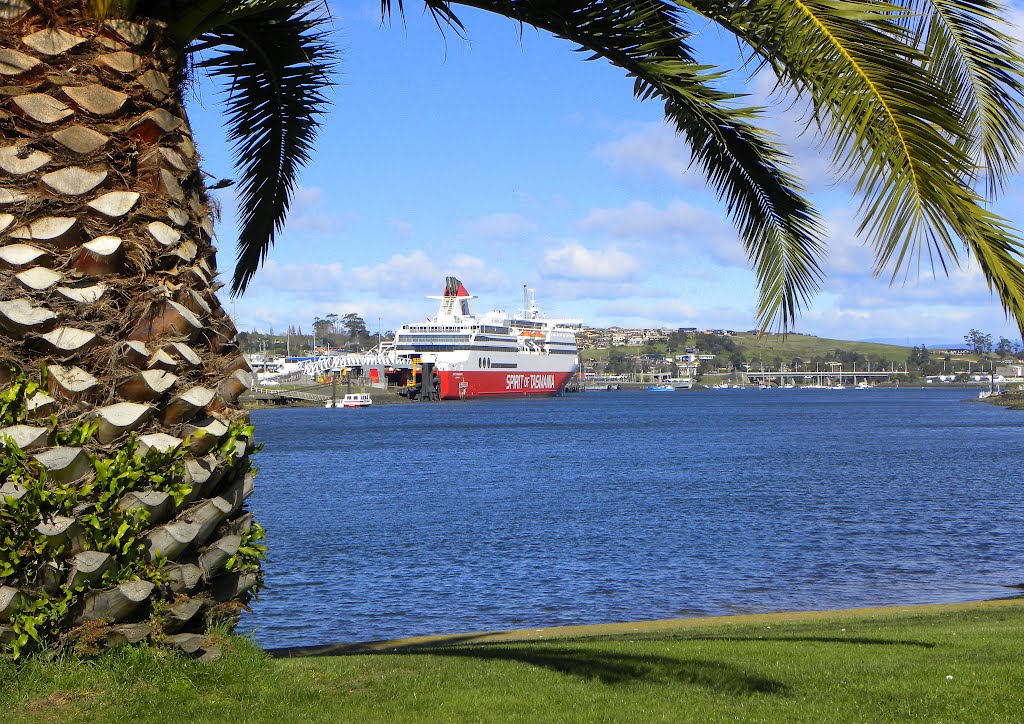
<point x="582" y="662"/>
<point x="615" y="668"/>
<point x="597" y="664"/>
<point x="862" y="640"/>
<point x="376" y="647"/>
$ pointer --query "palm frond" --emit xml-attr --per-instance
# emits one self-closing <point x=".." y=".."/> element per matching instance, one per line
<point x="440" y="10"/>
<point x="189" y="21"/>
<point x="277" y="64"/>
<point x="967" y="49"/>
<point x="898" y="125"/>
<point x="648" y="39"/>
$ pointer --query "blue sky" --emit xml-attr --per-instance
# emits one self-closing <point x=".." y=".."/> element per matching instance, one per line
<point x="505" y="159"/>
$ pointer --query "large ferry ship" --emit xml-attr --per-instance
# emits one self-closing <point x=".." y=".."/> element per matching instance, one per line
<point x="459" y="355"/>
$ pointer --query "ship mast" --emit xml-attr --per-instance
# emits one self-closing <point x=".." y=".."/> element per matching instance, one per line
<point x="530" y="308"/>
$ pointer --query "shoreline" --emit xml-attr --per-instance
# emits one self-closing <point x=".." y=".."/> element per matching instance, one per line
<point x="632" y="627"/>
<point x="1009" y="400"/>
<point x="388" y="397"/>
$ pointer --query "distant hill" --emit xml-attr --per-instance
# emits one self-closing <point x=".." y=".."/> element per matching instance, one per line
<point x="802" y="345"/>
<point x="902" y="341"/>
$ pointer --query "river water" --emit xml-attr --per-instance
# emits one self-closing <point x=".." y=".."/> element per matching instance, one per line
<point x="401" y="520"/>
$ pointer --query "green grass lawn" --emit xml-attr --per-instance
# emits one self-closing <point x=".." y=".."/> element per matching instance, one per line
<point x="938" y="663"/>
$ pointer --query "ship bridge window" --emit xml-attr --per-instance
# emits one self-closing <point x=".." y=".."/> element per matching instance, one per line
<point x="414" y="339"/>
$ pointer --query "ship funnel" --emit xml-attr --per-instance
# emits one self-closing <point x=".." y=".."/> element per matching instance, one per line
<point x="453" y="288"/>
<point x="455" y="300"/>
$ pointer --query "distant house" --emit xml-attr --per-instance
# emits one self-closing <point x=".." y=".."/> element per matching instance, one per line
<point x="953" y="351"/>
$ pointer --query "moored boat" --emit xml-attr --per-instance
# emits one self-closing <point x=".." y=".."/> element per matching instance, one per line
<point x="680" y="383"/>
<point x="353" y="399"/>
<point x="461" y="355"/>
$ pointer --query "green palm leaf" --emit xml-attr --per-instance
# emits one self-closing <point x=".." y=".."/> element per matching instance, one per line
<point x="967" y="50"/>
<point x="779" y="229"/>
<point x="277" y="64"/>
<point x="899" y="123"/>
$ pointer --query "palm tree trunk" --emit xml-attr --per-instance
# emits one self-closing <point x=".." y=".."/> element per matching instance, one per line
<point x="125" y="472"/>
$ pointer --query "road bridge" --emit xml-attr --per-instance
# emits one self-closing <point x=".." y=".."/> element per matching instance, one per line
<point x="838" y="376"/>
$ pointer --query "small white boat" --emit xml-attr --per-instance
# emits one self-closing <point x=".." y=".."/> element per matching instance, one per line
<point x="354" y="399"/>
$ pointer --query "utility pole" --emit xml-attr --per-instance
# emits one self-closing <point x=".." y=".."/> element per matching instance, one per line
<point x="334" y="388"/>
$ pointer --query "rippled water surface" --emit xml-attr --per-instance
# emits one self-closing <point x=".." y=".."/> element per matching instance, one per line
<point x="400" y="520"/>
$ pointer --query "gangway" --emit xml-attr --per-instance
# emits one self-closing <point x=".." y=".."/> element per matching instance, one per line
<point x="258" y="391"/>
<point x="328" y="363"/>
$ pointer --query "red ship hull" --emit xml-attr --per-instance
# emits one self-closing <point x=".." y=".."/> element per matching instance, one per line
<point x="495" y="383"/>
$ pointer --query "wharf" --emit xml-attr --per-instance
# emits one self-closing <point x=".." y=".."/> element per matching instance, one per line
<point x="261" y="397"/>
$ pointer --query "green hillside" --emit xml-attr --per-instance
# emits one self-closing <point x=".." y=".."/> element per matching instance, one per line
<point x="768" y="347"/>
<point x="806" y="346"/>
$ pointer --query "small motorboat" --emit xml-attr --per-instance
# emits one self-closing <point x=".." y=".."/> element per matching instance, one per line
<point x="353" y="399"/>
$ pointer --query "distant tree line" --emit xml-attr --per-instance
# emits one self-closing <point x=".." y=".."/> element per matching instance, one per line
<point x="333" y="331"/>
<point x="981" y="343"/>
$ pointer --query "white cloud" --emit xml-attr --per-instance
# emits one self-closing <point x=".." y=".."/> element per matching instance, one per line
<point x="573" y="291"/>
<point x="656" y="151"/>
<point x="847" y="254"/>
<point x="678" y="227"/>
<point x="308" y="196"/>
<point x="573" y="261"/>
<point x="850" y="266"/>
<point x="912" y="323"/>
<point x="653" y="150"/>
<point x="406" y="274"/>
<point x="309" y="278"/>
<point x="289" y="293"/>
<point x="307" y="214"/>
<point x="664" y="313"/>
